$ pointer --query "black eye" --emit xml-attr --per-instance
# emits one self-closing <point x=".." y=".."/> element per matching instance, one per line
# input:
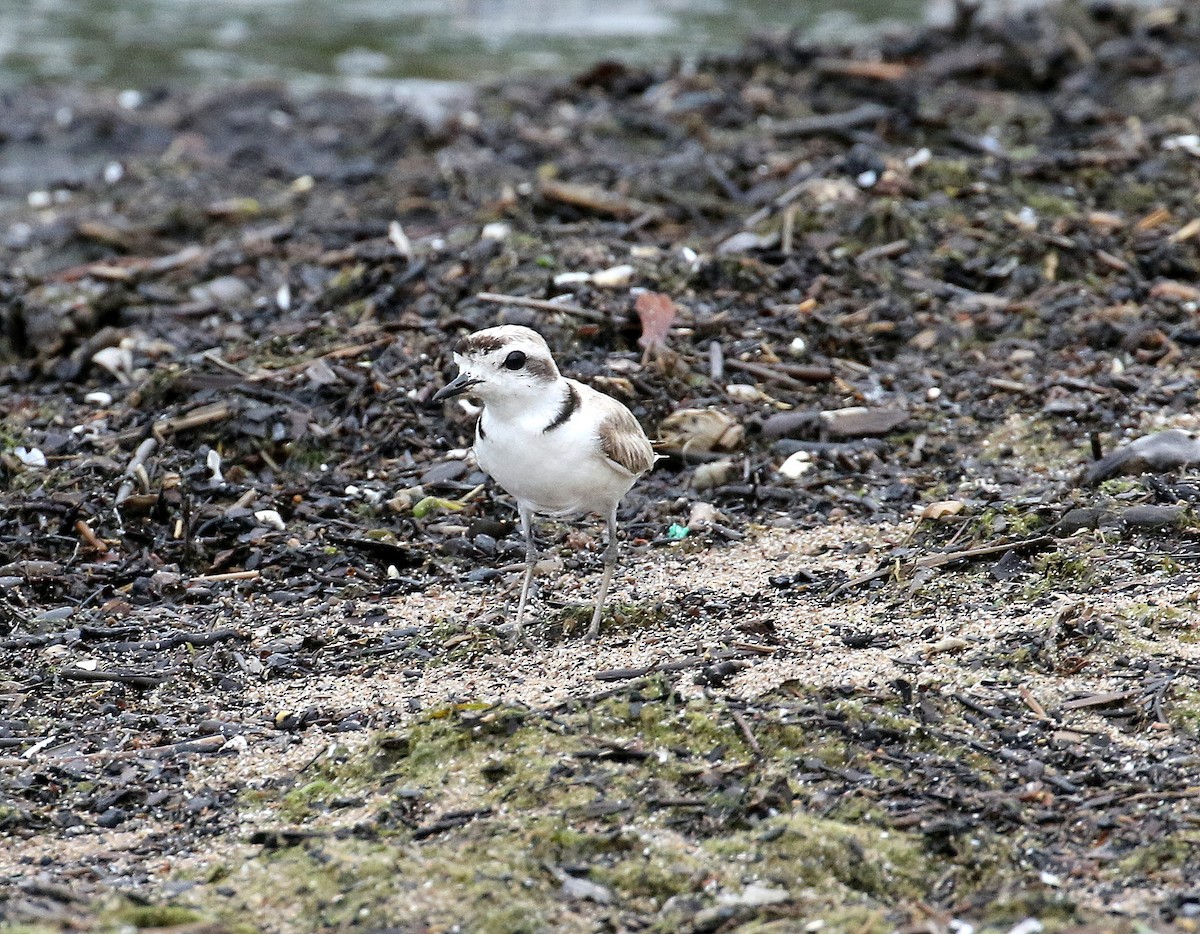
<point x="515" y="360"/>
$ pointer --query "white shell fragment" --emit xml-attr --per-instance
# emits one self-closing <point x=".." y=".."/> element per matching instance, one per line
<point x="754" y="895"/>
<point x="613" y="277"/>
<point x="235" y="744"/>
<point x="118" y="361"/>
<point x="272" y="518"/>
<point x="30" y="457"/>
<point x="213" y="462"/>
<point x="942" y="509"/>
<point x="400" y="240"/>
<point x="703" y="515"/>
<point x="743" y="392"/>
<point x="797" y="465"/>
<point x="919" y="158"/>
<point x="701" y="430"/>
<point x="1188" y="142"/>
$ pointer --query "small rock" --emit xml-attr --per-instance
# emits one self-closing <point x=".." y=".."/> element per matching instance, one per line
<point x="1087" y="517"/>
<point x="222" y="291"/>
<point x="1009" y="567"/>
<point x="1152" y="517"/>
<point x="113" y="817"/>
<point x="788" y="424"/>
<point x="858" y="421"/>
<point x="580" y="889"/>
<point x="443" y="472"/>
<point x="235" y="745"/>
<point x="743" y="392"/>
<point x="1156" y="453"/>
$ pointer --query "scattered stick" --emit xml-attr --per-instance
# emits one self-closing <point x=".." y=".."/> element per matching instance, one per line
<point x="767" y="373"/>
<point x="207" y="744"/>
<point x="680" y="664"/>
<point x="541" y="304"/>
<point x="227" y="576"/>
<point x="884" y="251"/>
<point x="176" y="639"/>
<point x="855" y="68"/>
<point x="1033" y="703"/>
<point x="449" y="822"/>
<point x="1010" y="385"/>
<point x="751" y="739"/>
<point x="789" y="230"/>
<point x="990" y="712"/>
<point x="135" y="679"/>
<point x="941" y="559"/>
<point x="984" y="551"/>
<point x="197" y="418"/>
<point x="780" y="201"/>
<point x="1098" y="700"/>
<point x="90" y="538"/>
<point x="593" y="198"/>
<point x="841" y="122"/>
<point x="339" y="353"/>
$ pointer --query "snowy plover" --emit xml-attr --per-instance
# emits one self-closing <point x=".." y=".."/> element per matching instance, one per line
<point x="558" y="446"/>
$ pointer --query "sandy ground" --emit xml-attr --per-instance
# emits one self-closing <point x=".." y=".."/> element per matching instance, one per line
<point x="927" y="646"/>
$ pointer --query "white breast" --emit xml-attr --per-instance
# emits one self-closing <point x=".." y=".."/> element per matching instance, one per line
<point x="558" y="472"/>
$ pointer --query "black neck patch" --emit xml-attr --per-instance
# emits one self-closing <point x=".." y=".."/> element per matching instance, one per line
<point x="570" y="404"/>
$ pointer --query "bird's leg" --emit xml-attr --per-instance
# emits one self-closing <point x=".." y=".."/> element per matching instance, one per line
<point x="530" y="561"/>
<point x="610" y="563"/>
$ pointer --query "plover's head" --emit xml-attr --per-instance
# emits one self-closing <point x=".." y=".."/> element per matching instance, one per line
<point x="504" y="362"/>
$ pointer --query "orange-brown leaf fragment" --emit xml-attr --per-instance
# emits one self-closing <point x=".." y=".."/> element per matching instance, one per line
<point x="657" y="313"/>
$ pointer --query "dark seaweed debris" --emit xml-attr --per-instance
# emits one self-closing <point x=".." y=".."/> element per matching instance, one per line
<point x="955" y="268"/>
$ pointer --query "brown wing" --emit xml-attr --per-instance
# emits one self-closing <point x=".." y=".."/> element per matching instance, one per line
<point x="624" y="443"/>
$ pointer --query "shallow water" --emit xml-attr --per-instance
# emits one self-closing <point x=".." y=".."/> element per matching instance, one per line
<point x="369" y="44"/>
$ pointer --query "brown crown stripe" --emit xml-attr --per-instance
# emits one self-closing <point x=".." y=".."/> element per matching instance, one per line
<point x="479" y="344"/>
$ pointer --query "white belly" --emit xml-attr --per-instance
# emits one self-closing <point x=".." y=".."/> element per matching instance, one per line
<point x="556" y="474"/>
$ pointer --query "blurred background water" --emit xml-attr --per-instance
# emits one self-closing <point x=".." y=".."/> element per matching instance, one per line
<point x="371" y="45"/>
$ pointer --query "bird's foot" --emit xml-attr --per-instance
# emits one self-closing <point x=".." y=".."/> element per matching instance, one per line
<point x="516" y="635"/>
<point x="520" y="640"/>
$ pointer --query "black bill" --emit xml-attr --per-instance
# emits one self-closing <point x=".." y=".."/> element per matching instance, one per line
<point x="456" y="387"/>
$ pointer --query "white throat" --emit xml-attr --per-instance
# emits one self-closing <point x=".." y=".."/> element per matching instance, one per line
<point x="535" y="405"/>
